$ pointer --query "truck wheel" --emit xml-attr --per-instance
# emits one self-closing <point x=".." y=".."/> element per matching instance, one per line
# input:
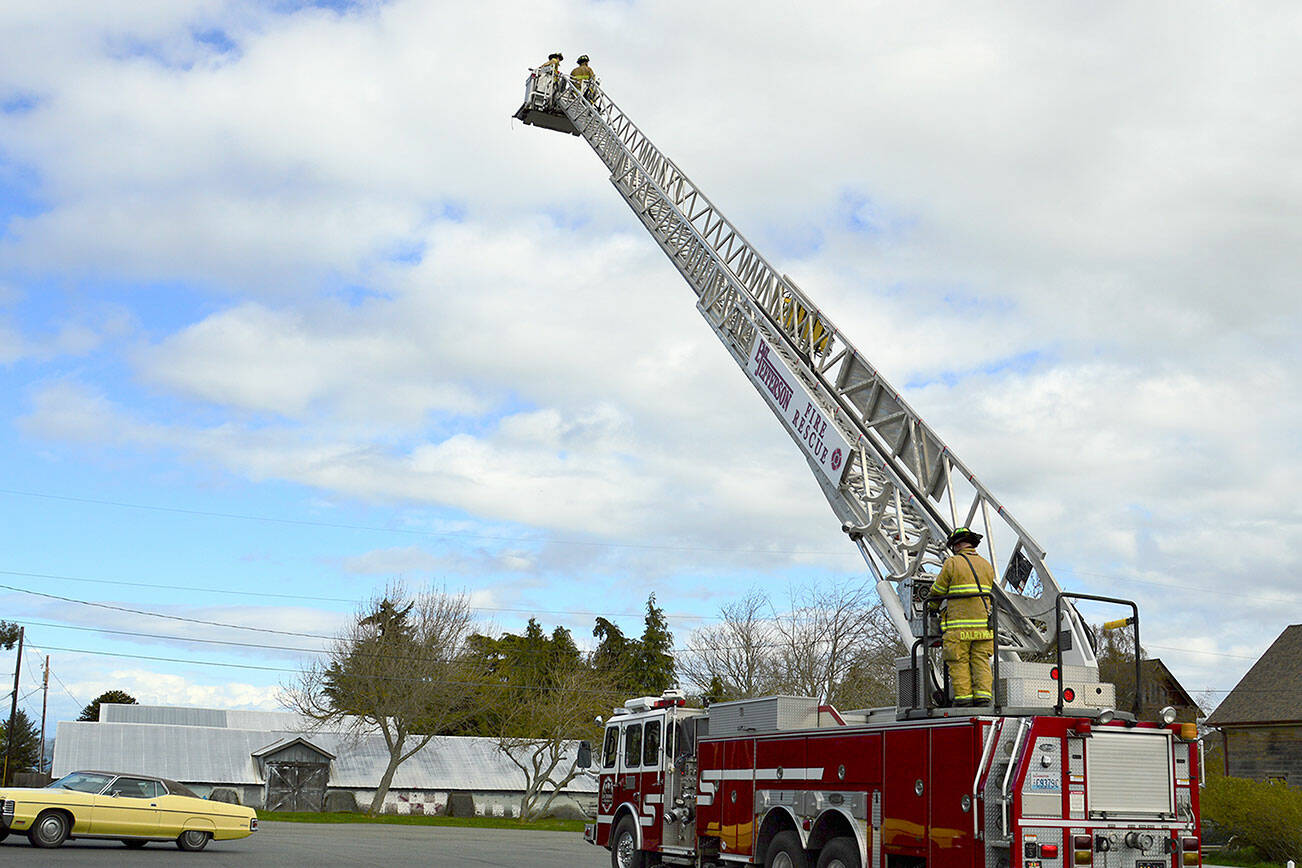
<point x="839" y="853"/>
<point x="785" y="852"/>
<point x="623" y="846"/>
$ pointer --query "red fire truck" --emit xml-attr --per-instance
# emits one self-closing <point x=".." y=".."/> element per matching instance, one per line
<point x="1053" y="774"/>
<point x="782" y="781"/>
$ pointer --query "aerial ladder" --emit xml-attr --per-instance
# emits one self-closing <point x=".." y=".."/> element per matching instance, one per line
<point x="895" y="485"/>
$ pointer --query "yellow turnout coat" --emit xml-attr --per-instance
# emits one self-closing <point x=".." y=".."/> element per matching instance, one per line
<point x="966" y="572"/>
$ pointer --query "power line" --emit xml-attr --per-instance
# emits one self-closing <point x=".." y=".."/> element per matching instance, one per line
<point x="408" y="531"/>
<point x="679" y="650"/>
<point x="497" y="538"/>
<point x="446" y="682"/>
<point x="261" y="668"/>
<point x="226" y="625"/>
<point x="160" y="614"/>
<point x="267" y="594"/>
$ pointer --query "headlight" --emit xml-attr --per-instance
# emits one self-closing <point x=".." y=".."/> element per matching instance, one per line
<point x="1168" y="715"/>
<point x="1107" y="715"/>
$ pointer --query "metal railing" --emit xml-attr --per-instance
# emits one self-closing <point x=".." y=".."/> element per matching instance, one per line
<point x="1134" y="621"/>
<point x="926" y="639"/>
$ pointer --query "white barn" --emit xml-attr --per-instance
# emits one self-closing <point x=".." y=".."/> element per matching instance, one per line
<point x="277" y="760"/>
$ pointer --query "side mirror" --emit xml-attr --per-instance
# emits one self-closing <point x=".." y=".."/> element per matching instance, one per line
<point x="585" y="755"/>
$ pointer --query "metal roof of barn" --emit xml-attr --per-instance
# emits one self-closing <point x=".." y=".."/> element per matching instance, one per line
<point x="282" y="743"/>
<point x="268" y="721"/>
<point x="192" y="753"/>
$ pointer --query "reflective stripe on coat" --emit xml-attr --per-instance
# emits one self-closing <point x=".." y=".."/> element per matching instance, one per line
<point x="969" y="616"/>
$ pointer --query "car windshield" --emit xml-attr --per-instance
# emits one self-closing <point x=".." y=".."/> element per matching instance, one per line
<point x="86" y="782"/>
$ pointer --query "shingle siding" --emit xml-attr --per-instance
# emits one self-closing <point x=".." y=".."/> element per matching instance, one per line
<point x="1264" y="752"/>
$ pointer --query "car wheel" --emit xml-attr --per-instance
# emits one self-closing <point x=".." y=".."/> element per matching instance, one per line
<point x="785" y="852"/>
<point x="134" y="843"/>
<point x="50" y="830"/>
<point x="839" y="853"/>
<point x="623" y="846"/>
<point x="192" y="841"/>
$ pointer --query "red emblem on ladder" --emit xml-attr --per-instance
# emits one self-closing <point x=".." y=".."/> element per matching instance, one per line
<point x="836" y="459"/>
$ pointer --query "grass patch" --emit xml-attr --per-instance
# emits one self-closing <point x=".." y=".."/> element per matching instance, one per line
<point x="547" y="825"/>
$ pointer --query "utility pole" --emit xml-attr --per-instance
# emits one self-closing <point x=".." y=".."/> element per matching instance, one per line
<point x="13" y="709"/>
<point x="45" y="699"/>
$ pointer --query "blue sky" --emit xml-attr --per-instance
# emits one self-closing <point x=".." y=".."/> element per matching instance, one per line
<point x="290" y="308"/>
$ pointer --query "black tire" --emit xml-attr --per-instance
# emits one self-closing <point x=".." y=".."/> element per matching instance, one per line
<point x="192" y="841"/>
<point x="623" y="846"/>
<point x="785" y="852"/>
<point x="134" y="843"/>
<point x="50" y="830"/>
<point x="4" y="833"/>
<point x="839" y="853"/>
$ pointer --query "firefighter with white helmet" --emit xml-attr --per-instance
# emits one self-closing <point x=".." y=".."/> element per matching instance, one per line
<point x="968" y="641"/>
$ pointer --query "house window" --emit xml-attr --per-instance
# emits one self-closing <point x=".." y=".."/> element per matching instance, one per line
<point x="1277" y="778"/>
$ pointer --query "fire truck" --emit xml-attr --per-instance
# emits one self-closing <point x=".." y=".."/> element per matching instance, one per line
<point x="1052" y="774"/>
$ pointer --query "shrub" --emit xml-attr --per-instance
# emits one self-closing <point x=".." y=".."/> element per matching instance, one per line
<point x="1265" y="817"/>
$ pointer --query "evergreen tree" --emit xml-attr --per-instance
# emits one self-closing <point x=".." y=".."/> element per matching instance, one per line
<point x="112" y="697"/>
<point x="26" y="755"/>
<point x="717" y="692"/>
<point x="616" y="658"/>
<point x="656" y="672"/>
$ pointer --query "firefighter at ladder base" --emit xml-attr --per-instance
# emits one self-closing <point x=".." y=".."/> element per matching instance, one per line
<point x="968" y="641"/>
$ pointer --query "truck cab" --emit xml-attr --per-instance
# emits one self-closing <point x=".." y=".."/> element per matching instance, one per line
<point x="646" y="777"/>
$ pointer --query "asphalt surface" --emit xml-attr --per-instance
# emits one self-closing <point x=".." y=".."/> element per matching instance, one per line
<point x="322" y="844"/>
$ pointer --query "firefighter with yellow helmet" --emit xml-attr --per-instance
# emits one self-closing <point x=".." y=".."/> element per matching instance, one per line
<point x="968" y="641"/>
<point x="584" y="77"/>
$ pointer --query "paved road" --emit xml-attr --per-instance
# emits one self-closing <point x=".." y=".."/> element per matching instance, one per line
<point x="317" y="845"/>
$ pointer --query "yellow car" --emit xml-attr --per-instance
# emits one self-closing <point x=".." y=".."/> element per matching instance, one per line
<point x="134" y="809"/>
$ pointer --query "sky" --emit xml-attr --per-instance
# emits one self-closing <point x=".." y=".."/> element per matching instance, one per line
<point x="291" y="308"/>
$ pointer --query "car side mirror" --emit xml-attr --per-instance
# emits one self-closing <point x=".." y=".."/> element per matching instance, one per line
<point x="585" y="755"/>
<point x="115" y="794"/>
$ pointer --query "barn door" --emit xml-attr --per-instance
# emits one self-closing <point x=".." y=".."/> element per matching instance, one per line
<point x="296" y="786"/>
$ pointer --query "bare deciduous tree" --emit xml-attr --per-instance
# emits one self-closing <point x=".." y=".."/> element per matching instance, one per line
<point x="398" y="669"/>
<point x="834" y="642"/>
<point x="825" y="628"/>
<point x="735" y="653"/>
<point x="539" y="732"/>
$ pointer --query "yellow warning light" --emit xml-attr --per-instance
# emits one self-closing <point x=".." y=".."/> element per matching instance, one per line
<point x="794" y="318"/>
<point x="1189" y="731"/>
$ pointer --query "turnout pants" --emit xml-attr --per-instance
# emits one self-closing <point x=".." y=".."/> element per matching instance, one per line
<point x="969" y="665"/>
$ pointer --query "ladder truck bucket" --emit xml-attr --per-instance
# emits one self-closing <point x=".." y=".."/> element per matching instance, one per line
<point x="539" y="108"/>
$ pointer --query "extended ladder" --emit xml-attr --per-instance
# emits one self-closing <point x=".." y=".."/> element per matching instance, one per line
<point x="894" y="484"/>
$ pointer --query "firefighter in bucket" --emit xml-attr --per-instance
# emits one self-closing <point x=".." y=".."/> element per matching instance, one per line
<point x="968" y="641"/>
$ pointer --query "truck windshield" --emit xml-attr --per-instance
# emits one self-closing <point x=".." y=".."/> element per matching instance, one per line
<point x="85" y="782"/>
